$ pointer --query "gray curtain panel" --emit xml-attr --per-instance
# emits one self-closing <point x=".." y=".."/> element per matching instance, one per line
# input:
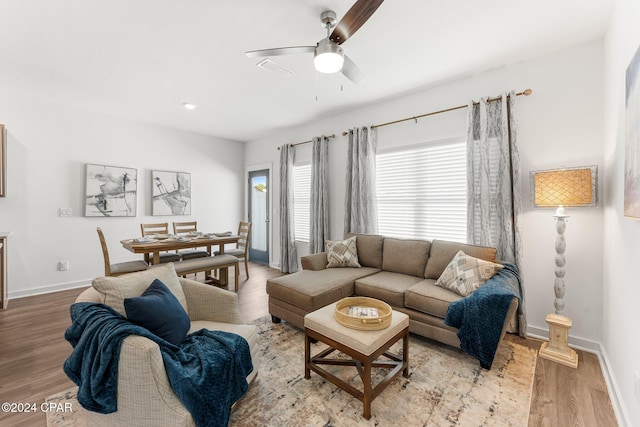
<point x="288" y="253"/>
<point x="319" y="215"/>
<point x="494" y="203"/>
<point x="361" y="212"/>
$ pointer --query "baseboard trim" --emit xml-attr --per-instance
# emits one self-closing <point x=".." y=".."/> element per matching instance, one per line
<point x="614" y="391"/>
<point x="579" y="343"/>
<point x="596" y="348"/>
<point x="48" y="289"/>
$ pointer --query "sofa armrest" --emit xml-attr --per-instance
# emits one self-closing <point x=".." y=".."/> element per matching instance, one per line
<point x="314" y="261"/>
<point x="511" y="313"/>
<point x="90" y="295"/>
<point x="205" y="302"/>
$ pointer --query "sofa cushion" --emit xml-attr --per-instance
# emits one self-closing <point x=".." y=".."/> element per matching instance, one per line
<point x="465" y="274"/>
<point x="310" y="290"/>
<point x="342" y="253"/>
<point x="442" y="252"/>
<point x="159" y="311"/>
<point x="369" y="249"/>
<point x="116" y="289"/>
<point x="405" y="256"/>
<point x="386" y="286"/>
<point x="428" y="298"/>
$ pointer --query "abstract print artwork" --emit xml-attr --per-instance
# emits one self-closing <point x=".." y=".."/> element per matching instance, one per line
<point x="632" y="139"/>
<point x="110" y="191"/>
<point x="171" y="193"/>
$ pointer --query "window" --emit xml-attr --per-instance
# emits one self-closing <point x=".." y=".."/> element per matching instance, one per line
<point x="301" y="201"/>
<point x="422" y="191"/>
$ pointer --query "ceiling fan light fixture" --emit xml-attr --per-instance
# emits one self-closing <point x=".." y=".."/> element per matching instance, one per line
<point x="328" y="57"/>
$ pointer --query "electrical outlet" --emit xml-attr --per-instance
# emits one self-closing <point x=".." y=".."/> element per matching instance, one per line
<point x="65" y="211"/>
<point x="63" y="266"/>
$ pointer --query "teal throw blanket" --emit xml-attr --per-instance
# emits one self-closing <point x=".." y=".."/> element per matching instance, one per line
<point x="480" y="316"/>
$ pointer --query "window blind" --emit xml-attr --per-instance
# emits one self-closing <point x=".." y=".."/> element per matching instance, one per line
<point x="301" y="201"/>
<point x="422" y="191"/>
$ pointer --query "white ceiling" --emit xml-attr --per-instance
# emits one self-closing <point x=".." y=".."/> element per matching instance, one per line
<point x="141" y="59"/>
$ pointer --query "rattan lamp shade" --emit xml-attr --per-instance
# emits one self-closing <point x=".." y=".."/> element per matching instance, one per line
<point x="564" y="187"/>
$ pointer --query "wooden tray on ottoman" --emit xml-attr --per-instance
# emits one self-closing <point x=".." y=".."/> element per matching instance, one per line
<point x="363" y="323"/>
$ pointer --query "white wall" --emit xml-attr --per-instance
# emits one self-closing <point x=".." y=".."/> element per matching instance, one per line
<point x="621" y="297"/>
<point x="560" y="125"/>
<point x="48" y="147"/>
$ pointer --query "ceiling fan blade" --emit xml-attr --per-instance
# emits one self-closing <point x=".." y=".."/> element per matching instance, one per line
<point x="355" y="18"/>
<point x="293" y="50"/>
<point x="351" y="71"/>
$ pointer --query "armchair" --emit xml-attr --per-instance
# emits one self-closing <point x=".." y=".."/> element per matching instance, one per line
<point x="145" y="396"/>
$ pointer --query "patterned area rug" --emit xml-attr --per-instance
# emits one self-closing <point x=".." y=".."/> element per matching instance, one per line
<point x="446" y="387"/>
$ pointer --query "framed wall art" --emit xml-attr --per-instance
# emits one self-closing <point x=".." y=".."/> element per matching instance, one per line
<point x="3" y="161"/>
<point x="171" y="193"/>
<point x="632" y="139"/>
<point x="111" y="191"/>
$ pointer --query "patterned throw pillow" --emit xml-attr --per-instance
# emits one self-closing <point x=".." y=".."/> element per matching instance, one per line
<point x="465" y="274"/>
<point x="342" y="253"/>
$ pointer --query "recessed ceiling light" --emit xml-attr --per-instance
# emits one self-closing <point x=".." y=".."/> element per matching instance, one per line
<point x="189" y="106"/>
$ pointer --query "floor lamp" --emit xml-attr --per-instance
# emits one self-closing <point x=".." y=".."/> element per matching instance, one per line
<point x="561" y="188"/>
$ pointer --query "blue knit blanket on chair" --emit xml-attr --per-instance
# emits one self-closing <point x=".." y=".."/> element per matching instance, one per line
<point x="480" y="316"/>
<point x="207" y="371"/>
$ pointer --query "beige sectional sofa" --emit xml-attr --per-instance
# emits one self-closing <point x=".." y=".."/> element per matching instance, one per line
<point x="400" y="272"/>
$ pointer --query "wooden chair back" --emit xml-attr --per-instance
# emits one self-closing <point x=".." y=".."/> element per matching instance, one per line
<point x="105" y="253"/>
<point x="244" y="232"/>
<point x="159" y="228"/>
<point x="185" y="227"/>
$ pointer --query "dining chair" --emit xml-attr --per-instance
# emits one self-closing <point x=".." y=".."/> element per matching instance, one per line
<point x="119" y="268"/>
<point x="159" y="228"/>
<point x="241" y="250"/>
<point x="189" y="227"/>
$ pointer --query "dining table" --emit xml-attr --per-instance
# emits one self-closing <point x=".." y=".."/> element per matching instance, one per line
<point x="151" y="246"/>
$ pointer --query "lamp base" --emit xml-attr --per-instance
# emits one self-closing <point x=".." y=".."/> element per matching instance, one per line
<point x="557" y="349"/>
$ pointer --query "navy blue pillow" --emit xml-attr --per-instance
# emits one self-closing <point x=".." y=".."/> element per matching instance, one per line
<point x="159" y="311"/>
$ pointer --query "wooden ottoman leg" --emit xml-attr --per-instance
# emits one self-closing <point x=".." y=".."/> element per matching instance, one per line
<point x="307" y="356"/>
<point x="366" y="379"/>
<point x="405" y="355"/>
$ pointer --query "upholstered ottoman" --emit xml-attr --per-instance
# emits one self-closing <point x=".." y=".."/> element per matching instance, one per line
<point x="364" y="348"/>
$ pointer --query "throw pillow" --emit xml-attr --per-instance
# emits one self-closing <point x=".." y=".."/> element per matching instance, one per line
<point x="465" y="274"/>
<point x="159" y="311"/>
<point x="342" y="253"/>
<point x="116" y="289"/>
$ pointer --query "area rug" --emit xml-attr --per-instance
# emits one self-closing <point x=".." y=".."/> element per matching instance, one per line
<point x="446" y="387"/>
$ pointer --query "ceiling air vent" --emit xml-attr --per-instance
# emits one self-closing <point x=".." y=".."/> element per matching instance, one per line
<point x="269" y="65"/>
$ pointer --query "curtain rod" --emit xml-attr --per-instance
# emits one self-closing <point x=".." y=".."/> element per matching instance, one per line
<point x="525" y="92"/>
<point x="333" y="135"/>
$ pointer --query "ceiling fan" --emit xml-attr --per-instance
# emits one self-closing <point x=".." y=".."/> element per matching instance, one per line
<point x="328" y="56"/>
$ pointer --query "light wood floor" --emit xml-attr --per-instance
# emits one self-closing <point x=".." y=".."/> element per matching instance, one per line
<point x="33" y="349"/>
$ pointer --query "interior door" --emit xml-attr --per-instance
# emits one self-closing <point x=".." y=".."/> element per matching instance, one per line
<point x="258" y="206"/>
